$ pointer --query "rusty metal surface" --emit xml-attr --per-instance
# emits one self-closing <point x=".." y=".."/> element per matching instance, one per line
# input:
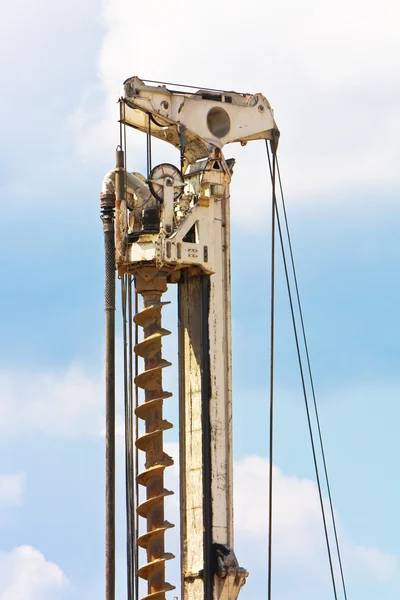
<point x="151" y="285"/>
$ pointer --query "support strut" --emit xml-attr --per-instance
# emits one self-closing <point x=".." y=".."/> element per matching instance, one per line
<point x="151" y="284"/>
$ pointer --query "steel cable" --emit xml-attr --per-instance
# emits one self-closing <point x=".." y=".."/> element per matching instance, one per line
<point x="312" y="383"/>
<point x="136" y="463"/>
<point x="271" y="380"/>
<point x="128" y="473"/>
<point x="131" y="445"/>
<point x="148" y="150"/>
<point x="126" y="301"/>
<point x="272" y="171"/>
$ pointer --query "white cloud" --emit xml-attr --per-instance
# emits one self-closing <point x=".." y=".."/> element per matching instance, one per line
<point x="25" y="574"/>
<point x="65" y="402"/>
<point x="297" y="522"/>
<point x="299" y="557"/>
<point x="71" y="402"/>
<point x="12" y="488"/>
<point x="368" y="558"/>
<point x="327" y="70"/>
<point x="298" y="537"/>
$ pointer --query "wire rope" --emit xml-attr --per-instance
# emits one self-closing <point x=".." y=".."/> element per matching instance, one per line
<point x="148" y="148"/>
<point x="271" y="382"/>
<point x="136" y="469"/>
<point x="312" y="383"/>
<point x="128" y="482"/>
<point x="272" y="170"/>
<point x="191" y="87"/>
<point x="130" y="441"/>
<point x="126" y="298"/>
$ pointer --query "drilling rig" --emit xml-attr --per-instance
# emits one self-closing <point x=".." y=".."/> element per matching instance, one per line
<point x="172" y="226"/>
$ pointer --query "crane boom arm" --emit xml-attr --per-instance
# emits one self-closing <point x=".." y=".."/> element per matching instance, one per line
<point x="204" y="119"/>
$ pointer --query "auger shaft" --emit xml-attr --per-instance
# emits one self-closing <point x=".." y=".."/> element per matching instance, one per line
<point x="151" y="284"/>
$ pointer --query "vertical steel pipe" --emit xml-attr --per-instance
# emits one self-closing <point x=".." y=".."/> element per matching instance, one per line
<point x="107" y="216"/>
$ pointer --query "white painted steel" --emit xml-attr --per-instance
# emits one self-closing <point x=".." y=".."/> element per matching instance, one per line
<point x="210" y="215"/>
<point x="205" y="122"/>
<point x="250" y="116"/>
<point x="191" y="439"/>
<point x="173" y="250"/>
<point x="168" y="207"/>
<point x="220" y="368"/>
<point x="134" y="185"/>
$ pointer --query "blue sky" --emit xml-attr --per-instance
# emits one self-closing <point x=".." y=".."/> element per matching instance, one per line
<point x="329" y="70"/>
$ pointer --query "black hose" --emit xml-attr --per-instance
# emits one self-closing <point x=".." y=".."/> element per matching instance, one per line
<point x="107" y="216"/>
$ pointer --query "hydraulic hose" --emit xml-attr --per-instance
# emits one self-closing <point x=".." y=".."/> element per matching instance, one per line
<point x="107" y="216"/>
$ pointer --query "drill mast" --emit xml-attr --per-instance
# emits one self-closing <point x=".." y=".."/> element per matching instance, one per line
<point x="174" y="228"/>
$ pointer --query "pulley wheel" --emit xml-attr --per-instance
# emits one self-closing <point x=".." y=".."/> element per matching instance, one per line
<point x="158" y="176"/>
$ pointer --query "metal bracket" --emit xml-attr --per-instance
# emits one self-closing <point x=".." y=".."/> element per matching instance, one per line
<point x="229" y="577"/>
